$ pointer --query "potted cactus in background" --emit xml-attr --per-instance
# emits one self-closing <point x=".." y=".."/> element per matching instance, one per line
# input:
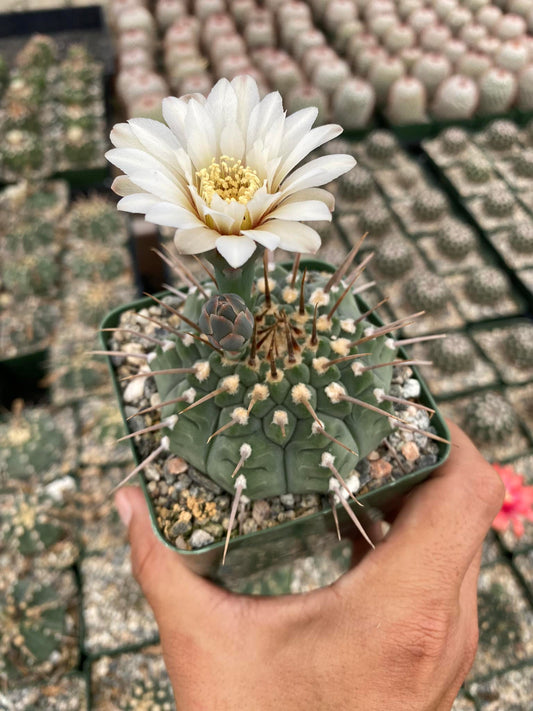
<point x="273" y="382"/>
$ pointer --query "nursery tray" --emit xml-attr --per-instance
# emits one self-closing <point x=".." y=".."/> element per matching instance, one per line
<point x="265" y="553"/>
<point x="20" y="376"/>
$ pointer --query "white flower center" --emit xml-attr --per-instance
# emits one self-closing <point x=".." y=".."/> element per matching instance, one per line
<point x="230" y="179"/>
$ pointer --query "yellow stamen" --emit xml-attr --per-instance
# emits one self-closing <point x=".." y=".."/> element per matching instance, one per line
<point x="230" y="179"/>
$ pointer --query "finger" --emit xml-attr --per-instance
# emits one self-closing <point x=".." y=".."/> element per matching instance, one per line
<point x="445" y="519"/>
<point x="169" y="586"/>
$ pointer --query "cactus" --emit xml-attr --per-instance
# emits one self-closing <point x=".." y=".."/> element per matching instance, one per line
<point x="96" y="261"/>
<point x="407" y="102"/>
<point x="375" y="219"/>
<point x="513" y="55"/>
<point x="79" y="147"/>
<point x="489" y="418"/>
<point x="487" y="285"/>
<point x="33" y="624"/>
<point x="145" y="693"/>
<point x="453" y="354"/>
<point x="428" y="292"/>
<point x="521" y="237"/>
<point x="93" y="300"/>
<point x="31" y="444"/>
<point x="95" y="219"/>
<point x="22" y="152"/>
<point x="430" y="205"/>
<point x="497" y="91"/>
<point x="381" y="146"/>
<point x="79" y="66"/>
<point x="524" y="99"/>
<point x="501" y="135"/>
<point x="477" y="169"/>
<point x="454" y="140"/>
<point x="382" y="75"/>
<point x="518" y="345"/>
<point x="394" y="257"/>
<point x="302" y="97"/>
<point x="498" y="202"/>
<point x="356" y="185"/>
<point x="30" y="236"/>
<point x="456" y="241"/>
<point x="27" y="325"/>
<point x="456" y="98"/>
<point x="432" y="69"/>
<point x="4" y="75"/>
<point x="33" y="273"/>
<point x="353" y="103"/>
<point x="40" y="52"/>
<point x="523" y="164"/>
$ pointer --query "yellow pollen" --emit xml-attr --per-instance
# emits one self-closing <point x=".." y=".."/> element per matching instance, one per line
<point x="230" y="179"/>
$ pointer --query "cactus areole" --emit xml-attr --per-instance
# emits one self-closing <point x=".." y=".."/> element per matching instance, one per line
<point x="271" y="379"/>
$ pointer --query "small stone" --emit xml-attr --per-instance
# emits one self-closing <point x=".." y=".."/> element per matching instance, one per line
<point x="134" y="390"/>
<point x="411" y="389"/>
<point x="372" y="456"/>
<point x="215" y="529"/>
<point x="176" y="465"/>
<point x="287" y="500"/>
<point x="249" y="526"/>
<point x="410" y="451"/>
<point x="204" y="481"/>
<point x="200" y="539"/>
<point x="260" y="511"/>
<point x="286" y="516"/>
<point x="182" y="525"/>
<point x="380" y="468"/>
<point x="181" y="543"/>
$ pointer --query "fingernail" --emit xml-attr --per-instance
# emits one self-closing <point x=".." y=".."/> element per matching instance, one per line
<point x="123" y="507"/>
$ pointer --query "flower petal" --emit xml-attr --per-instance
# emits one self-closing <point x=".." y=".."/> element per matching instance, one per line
<point x="196" y="240"/>
<point x="263" y="236"/>
<point x="307" y="210"/>
<point x="157" y="183"/>
<point x="311" y="194"/>
<point x="294" y="236"/>
<point x="122" y="136"/>
<point x="315" y="138"/>
<point x="138" y="203"/>
<point x="262" y="116"/>
<point x="318" y="172"/>
<point x="235" y="249"/>
<point x="297" y="125"/>
<point x="260" y="203"/>
<point x="170" y="215"/>
<point x="174" y="113"/>
<point x="247" y="94"/>
<point x="156" y="138"/>
<point x="132" y="160"/>
<point x="123" y="186"/>
<point x="201" y="139"/>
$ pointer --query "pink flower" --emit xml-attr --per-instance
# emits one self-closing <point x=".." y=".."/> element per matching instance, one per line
<point x="518" y="503"/>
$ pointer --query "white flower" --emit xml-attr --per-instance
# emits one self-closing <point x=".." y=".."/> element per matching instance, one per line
<point x="222" y="171"/>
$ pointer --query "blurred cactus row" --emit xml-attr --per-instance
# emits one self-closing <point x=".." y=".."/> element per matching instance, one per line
<point x="60" y="267"/>
<point x="412" y="60"/>
<point x="51" y="111"/>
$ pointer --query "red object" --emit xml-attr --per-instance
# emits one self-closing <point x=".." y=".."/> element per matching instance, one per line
<point x="518" y="503"/>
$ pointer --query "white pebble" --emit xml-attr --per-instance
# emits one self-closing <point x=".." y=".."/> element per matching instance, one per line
<point x="411" y="388"/>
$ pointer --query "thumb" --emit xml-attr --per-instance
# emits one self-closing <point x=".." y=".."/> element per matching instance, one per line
<point x="164" y="578"/>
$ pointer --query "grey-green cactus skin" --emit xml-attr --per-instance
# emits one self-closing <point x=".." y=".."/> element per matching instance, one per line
<point x="477" y="170"/>
<point x="428" y="292"/>
<point x="356" y="184"/>
<point x="501" y="135"/>
<point x="32" y="525"/>
<point x="33" y="622"/>
<point x="523" y="164"/>
<point x="489" y="418"/>
<point x="519" y="345"/>
<point x="429" y="205"/>
<point x="498" y="203"/>
<point x="96" y="219"/>
<point x="285" y="451"/>
<point x="36" y="273"/>
<point x="375" y="219"/>
<point x="453" y="354"/>
<point x="381" y="145"/>
<point x="30" y="236"/>
<point x="394" y="257"/>
<point x="454" y="140"/>
<point x="96" y="261"/>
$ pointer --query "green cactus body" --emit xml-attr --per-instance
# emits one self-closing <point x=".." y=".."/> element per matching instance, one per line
<point x="381" y="145"/>
<point x="96" y="261"/>
<point x="4" y="75"/>
<point x="487" y="285"/>
<point x="521" y="238"/>
<point x="96" y="219"/>
<point x="33" y="622"/>
<point x="259" y="407"/>
<point x="375" y="219"/>
<point x="502" y="135"/>
<point x="499" y="203"/>
<point x="22" y="152"/>
<point x="477" y="170"/>
<point x="356" y="185"/>
<point x="453" y="354"/>
<point x="80" y="147"/>
<point x="489" y="418"/>
<point x="31" y="236"/>
<point x="36" y="273"/>
<point x="32" y="525"/>
<point x="40" y="52"/>
<point x="519" y="346"/>
<point x="524" y="164"/>
<point x="456" y="241"/>
<point x="454" y="140"/>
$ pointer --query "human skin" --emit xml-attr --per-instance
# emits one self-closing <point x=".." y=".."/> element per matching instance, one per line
<point x="397" y="632"/>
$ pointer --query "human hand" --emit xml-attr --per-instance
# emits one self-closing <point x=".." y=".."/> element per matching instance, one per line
<point x="397" y="632"/>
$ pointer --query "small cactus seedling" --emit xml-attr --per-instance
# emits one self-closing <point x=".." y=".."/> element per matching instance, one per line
<point x="394" y="257"/>
<point x="477" y="170"/>
<point x="22" y="152"/>
<point x="381" y="146"/>
<point x="356" y="185"/>
<point x="428" y="292"/>
<point x="519" y="346"/>
<point x="375" y="219"/>
<point x="487" y="285"/>
<point x="272" y="379"/>
<point x="430" y="205"/>
<point x="523" y="164"/>
<point x="35" y="273"/>
<point x="96" y="261"/>
<point x="454" y="140"/>
<point x="453" y="354"/>
<point x="498" y="202"/>
<point x="147" y="694"/>
<point x="521" y="237"/>
<point x="456" y="241"/>
<point x="489" y="418"/>
<point x="40" y="52"/>
<point x="502" y="135"/>
<point x="30" y="236"/>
